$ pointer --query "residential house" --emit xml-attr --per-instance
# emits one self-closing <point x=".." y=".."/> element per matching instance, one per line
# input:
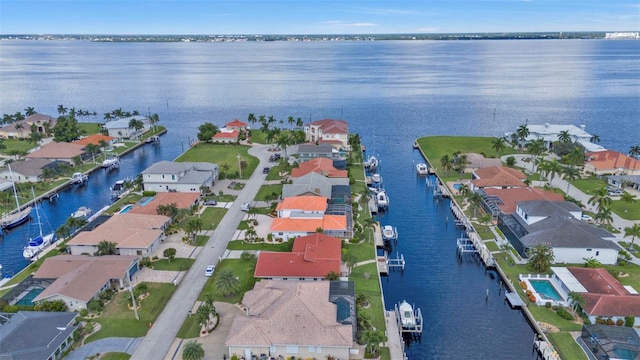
<point x="328" y="131"/>
<point x="307" y="152"/>
<point x="21" y="129"/>
<point x="605" y="297"/>
<point x="61" y="151"/>
<point x="324" y="167"/>
<point x="600" y="341"/>
<point x="556" y="224"/>
<point x="226" y="137"/>
<point x="290" y="318"/>
<point x="309" y="184"/>
<point x="236" y="125"/>
<point x="311" y="258"/>
<point x="133" y="234"/>
<point x="23" y="171"/>
<point x="166" y="176"/>
<point x="94" y="139"/>
<point x="620" y="181"/>
<point x="478" y="161"/>
<point x="549" y="134"/>
<point x="290" y="228"/>
<point x="498" y="177"/>
<point x="504" y="201"/>
<point x="77" y="279"/>
<point x="120" y="129"/>
<point x="611" y="162"/>
<point x="180" y="199"/>
<point x="301" y="206"/>
<point x="36" y="335"/>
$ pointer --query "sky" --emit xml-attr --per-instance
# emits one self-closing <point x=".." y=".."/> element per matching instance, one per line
<point x="267" y="17"/>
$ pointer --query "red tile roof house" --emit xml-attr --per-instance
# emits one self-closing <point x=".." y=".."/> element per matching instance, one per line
<point x="226" y="137"/>
<point x="94" y="139"/>
<point x="133" y="234"/>
<point x="183" y="200"/>
<point x="236" y="125"/>
<point x="78" y="279"/>
<point x="10" y="131"/>
<point x="285" y="318"/>
<point x="328" y="131"/>
<point x="611" y="162"/>
<point x="311" y="258"/>
<point x="61" y="151"/>
<point x="504" y="200"/>
<point x="302" y="206"/>
<point x="604" y="295"/>
<point x="291" y="228"/>
<point x="322" y="166"/>
<point x="497" y="177"/>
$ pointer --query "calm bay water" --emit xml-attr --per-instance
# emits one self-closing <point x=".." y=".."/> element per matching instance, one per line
<point x="389" y="92"/>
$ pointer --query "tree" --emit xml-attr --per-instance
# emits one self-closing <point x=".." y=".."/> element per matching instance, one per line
<point x="592" y="263"/>
<point x="206" y="131"/>
<point x="634" y="151"/>
<point x="227" y="282"/>
<point x="475" y="200"/>
<point x="66" y="129"/>
<point x="349" y="259"/>
<point x="34" y="137"/>
<point x="283" y="141"/>
<point x="62" y="110"/>
<point x="570" y="174"/>
<point x="19" y="127"/>
<point x="577" y="301"/>
<point x="540" y="258"/>
<point x="136" y="125"/>
<point x="553" y="169"/>
<point x="29" y="111"/>
<point x="628" y="199"/>
<point x="604" y="216"/>
<point x="192" y="350"/>
<point x="372" y="339"/>
<point x="192" y="227"/>
<point x="203" y="314"/>
<point x="523" y="133"/>
<point x="153" y="120"/>
<point x="498" y="144"/>
<point x="445" y="162"/>
<point x="92" y="149"/>
<point x="595" y="139"/>
<point x="106" y="248"/>
<point x="633" y="231"/>
<point x="564" y="136"/>
<point x="169" y="210"/>
<point x="169" y="253"/>
<point x="332" y="275"/>
<point x="600" y="198"/>
<point x="251" y="119"/>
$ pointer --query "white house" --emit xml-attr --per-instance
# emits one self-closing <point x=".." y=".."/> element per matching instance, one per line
<point x="549" y="134"/>
<point x="165" y="176"/>
<point x="328" y="131"/>
<point x="120" y="129"/>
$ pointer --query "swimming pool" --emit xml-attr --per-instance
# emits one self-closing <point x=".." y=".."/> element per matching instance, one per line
<point x="546" y="290"/>
<point x="27" y="299"/>
<point x="146" y="201"/>
<point x="126" y="209"/>
<point x="625" y="354"/>
<point x="457" y="186"/>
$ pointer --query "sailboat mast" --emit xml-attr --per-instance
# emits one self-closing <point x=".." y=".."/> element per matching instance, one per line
<point x="35" y="204"/>
<point x="13" y="184"/>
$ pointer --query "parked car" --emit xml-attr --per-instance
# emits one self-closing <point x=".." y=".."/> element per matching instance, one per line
<point x="209" y="270"/>
<point x="616" y="192"/>
<point x="210" y="203"/>
<point x="266" y="170"/>
<point x="586" y="217"/>
<point x="274" y="157"/>
<point x="245" y="207"/>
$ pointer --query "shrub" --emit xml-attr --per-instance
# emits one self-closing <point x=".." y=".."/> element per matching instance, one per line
<point x="523" y="285"/>
<point x="532" y="298"/>
<point x="610" y="321"/>
<point x="84" y="312"/>
<point x="148" y="193"/>
<point x="528" y="292"/>
<point x="619" y="322"/>
<point x="547" y="305"/>
<point x="629" y="320"/>
<point x="600" y="320"/>
<point x="586" y="321"/>
<point x="563" y="313"/>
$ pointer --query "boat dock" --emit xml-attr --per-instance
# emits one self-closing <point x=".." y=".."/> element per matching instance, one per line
<point x="414" y="331"/>
<point x="514" y="300"/>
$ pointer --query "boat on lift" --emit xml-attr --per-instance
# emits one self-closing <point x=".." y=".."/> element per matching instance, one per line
<point x="422" y="169"/>
<point x="407" y="316"/>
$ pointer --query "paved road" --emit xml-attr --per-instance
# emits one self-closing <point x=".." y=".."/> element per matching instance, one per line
<point x="160" y="337"/>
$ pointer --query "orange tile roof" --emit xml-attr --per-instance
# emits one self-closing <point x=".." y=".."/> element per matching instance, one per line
<point x="93" y="139"/>
<point x="511" y="196"/>
<point x="226" y="135"/>
<point x="236" y="123"/>
<point x="181" y="199"/>
<point x="312" y="256"/>
<point x="598" y="281"/>
<point x="498" y="176"/>
<point x="306" y="203"/>
<point x="322" y="166"/>
<point x="610" y="160"/>
<point x="54" y="150"/>
<point x="328" y="222"/>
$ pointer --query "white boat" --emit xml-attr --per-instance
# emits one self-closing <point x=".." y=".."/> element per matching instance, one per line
<point x="382" y="199"/>
<point x="407" y="316"/>
<point x="153" y="140"/>
<point x="371" y="164"/>
<point x="376" y="178"/>
<point x="38" y="243"/>
<point x="79" y="178"/>
<point x="415" y="144"/>
<point x="83" y="212"/>
<point x="111" y="162"/>
<point x="117" y="189"/>
<point x="422" y="169"/>
<point x="389" y="232"/>
<point x="19" y="215"/>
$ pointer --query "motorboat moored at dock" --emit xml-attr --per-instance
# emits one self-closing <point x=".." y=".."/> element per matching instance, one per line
<point x="422" y="169"/>
<point x="382" y="199"/>
<point x="389" y="232"/>
<point x="79" y="178"/>
<point x="111" y="162"/>
<point x="407" y="317"/>
<point x="83" y="212"/>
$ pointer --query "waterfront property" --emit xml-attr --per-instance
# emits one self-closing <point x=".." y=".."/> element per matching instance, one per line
<point x="557" y="224"/>
<point x="170" y="176"/>
<point x="292" y="318"/>
<point x="149" y="206"/>
<point x="504" y="201"/>
<point x="95" y="139"/>
<point x="302" y="206"/>
<point x="236" y="125"/>
<point x="226" y="137"/>
<point x="307" y="152"/>
<point x="22" y="129"/>
<point x="497" y="177"/>
<point x="310" y="184"/>
<point x="132" y="234"/>
<point x="549" y="134"/>
<point x="324" y="167"/>
<point x="120" y="128"/>
<point x="36" y="335"/>
<point x="289" y="228"/>
<point x="77" y="279"/>
<point x="61" y="151"/>
<point x="28" y="170"/>
<point x="611" y="342"/>
<point x="328" y="131"/>
<point x="611" y="162"/>
<point x="311" y="258"/>
<point x="546" y="289"/>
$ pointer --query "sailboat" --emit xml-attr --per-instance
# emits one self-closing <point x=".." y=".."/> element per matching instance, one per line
<point x="40" y="242"/>
<point x="18" y="216"/>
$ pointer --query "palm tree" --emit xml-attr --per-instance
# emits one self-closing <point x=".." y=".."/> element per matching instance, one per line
<point x="227" y="282"/>
<point x="62" y="110"/>
<point x="291" y="121"/>
<point x="107" y="117"/>
<point x="475" y="200"/>
<point x="192" y="227"/>
<point x="570" y="174"/>
<point x="554" y="169"/>
<point x="633" y="231"/>
<point x="540" y="258"/>
<point x="169" y="210"/>
<point x="604" y="216"/>
<point x="595" y="139"/>
<point x="634" y="151"/>
<point x="106" y="248"/>
<point x="577" y="301"/>
<point x="498" y="144"/>
<point x="522" y="132"/>
<point x="30" y="111"/>
<point x="349" y="260"/>
<point x="628" y="199"/>
<point x="251" y="119"/>
<point x="282" y="142"/>
<point x="373" y="338"/>
<point x="564" y="136"/>
<point x="299" y="123"/>
<point x="542" y="166"/>
<point x="192" y="350"/>
<point x="446" y="164"/>
<point x="19" y="127"/>
<point x="600" y="198"/>
<point x="153" y="120"/>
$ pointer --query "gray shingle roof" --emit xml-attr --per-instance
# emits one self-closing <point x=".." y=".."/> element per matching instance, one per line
<point x="310" y="183"/>
<point x="172" y="167"/>
<point x="548" y="208"/>
<point x="568" y="232"/>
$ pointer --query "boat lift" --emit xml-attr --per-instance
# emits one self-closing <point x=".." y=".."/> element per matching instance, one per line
<point x="413" y="331"/>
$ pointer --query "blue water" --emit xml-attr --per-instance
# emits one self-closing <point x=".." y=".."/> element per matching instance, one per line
<point x="389" y="92"/>
<point x="126" y="209"/>
<point x="546" y="289"/>
<point x="146" y="201"/>
<point x="624" y="354"/>
<point x="457" y="186"/>
<point x="28" y="297"/>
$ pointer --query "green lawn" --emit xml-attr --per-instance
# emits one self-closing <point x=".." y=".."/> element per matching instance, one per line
<point x="266" y="191"/>
<point x="566" y="346"/>
<point x="89" y="128"/>
<point x="491" y="245"/>
<point x="363" y="251"/>
<point x="211" y="217"/>
<point x="119" y="321"/>
<point x="241" y="269"/>
<point x="370" y="287"/>
<point x="258" y="137"/>
<point x="241" y="245"/>
<point x="435" y="147"/>
<point x="17" y="146"/>
<point x="588" y="186"/>
<point x="223" y="155"/>
<point x="222" y="198"/>
<point x="115" y="356"/>
<point x="201" y="240"/>
<point x="131" y="198"/>
<point x="177" y="264"/>
<point x="626" y="210"/>
<point x="190" y="328"/>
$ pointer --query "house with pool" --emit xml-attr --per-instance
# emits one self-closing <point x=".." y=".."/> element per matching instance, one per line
<point x="557" y="224"/>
